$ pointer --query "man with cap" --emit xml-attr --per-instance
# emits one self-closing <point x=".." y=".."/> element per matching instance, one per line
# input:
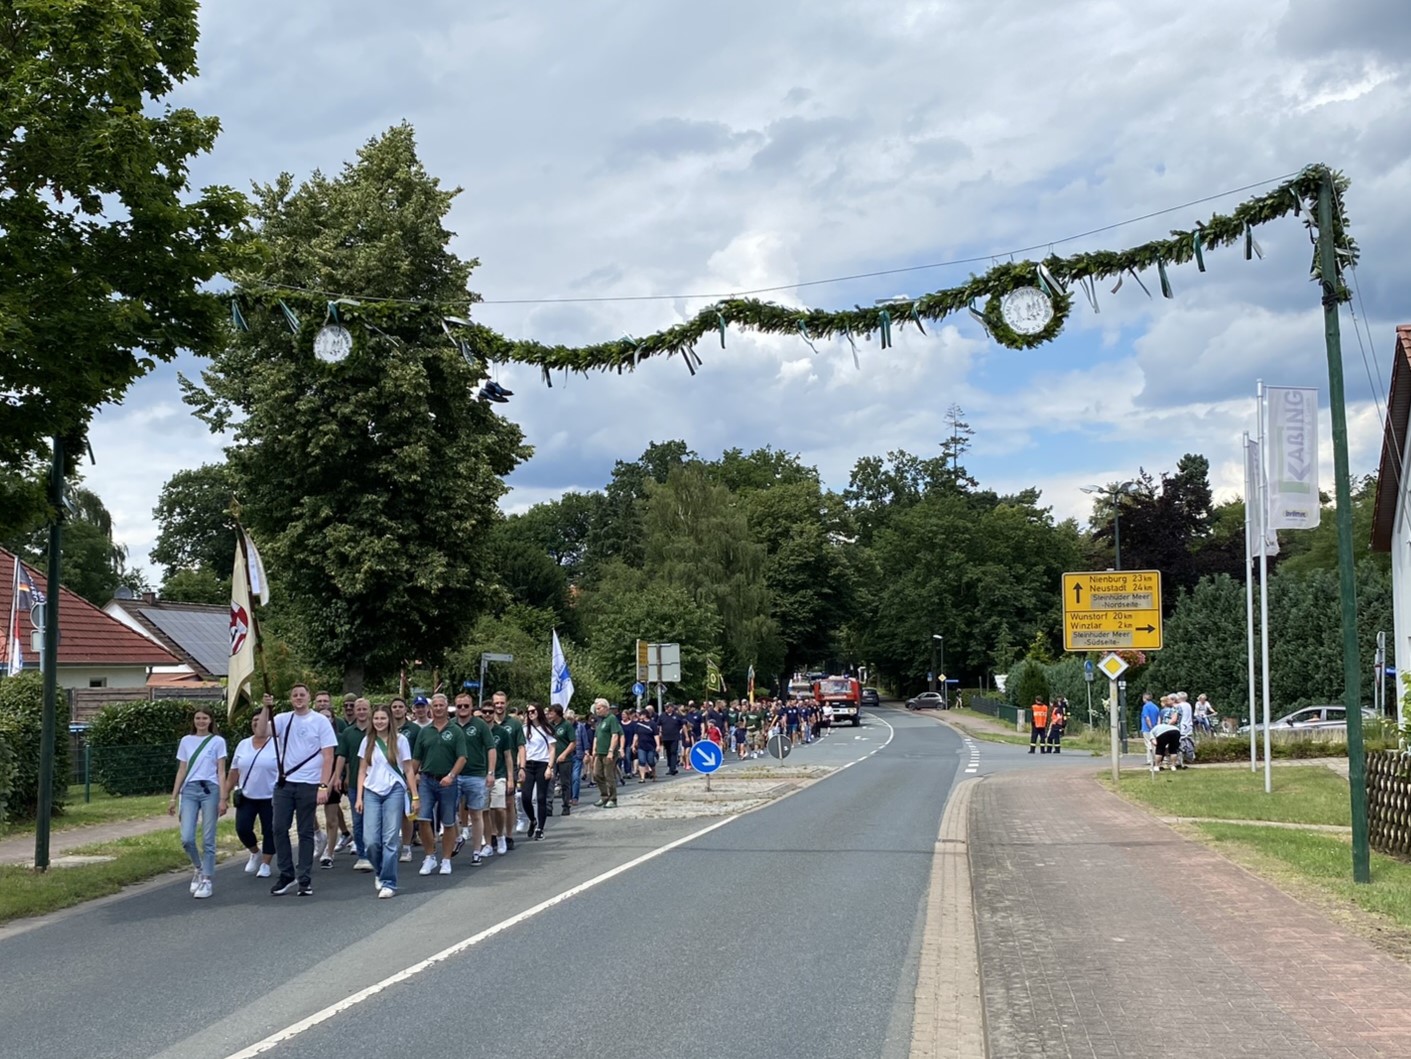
<point x="421" y="711"/>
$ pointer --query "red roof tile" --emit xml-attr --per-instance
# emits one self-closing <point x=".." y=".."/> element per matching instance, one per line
<point x="87" y="636"/>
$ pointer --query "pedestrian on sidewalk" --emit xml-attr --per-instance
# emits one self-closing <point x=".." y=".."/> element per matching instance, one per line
<point x="1186" y="723"/>
<point x="303" y="748"/>
<point x="607" y="742"/>
<point x="1057" y="720"/>
<point x="383" y="796"/>
<point x="1166" y="744"/>
<point x="200" y="787"/>
<point x="249" y="786"/>
<point x="1150" y="718"/>
<point x="1038" y="724"/>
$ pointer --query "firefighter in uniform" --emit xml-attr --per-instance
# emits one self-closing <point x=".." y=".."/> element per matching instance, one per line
<point x="1057" y="718"/>
<point x="1038" y="718"/>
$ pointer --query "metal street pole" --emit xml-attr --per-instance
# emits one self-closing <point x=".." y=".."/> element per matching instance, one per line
<point x="1112" y="718"/>
<point x="1352" y="677"/>
<point x="933" y="664"/>
<point x="1116" y="532"/>
<point x="44" y="803"/>
<point x="945" y="685"/>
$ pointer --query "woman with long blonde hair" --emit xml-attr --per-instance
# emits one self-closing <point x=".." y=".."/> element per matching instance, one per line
<point x="200" y="787"/>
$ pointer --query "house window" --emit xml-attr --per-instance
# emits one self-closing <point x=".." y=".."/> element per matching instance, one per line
<point x="97" y="682"/>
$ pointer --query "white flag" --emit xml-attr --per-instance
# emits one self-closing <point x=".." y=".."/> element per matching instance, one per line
<point x="1253" y="470"/>
<point x="561" y="687"/>
<point x="242" y="632"/>
<point x="1293" y="457"/>
<point x="259" y="583"/>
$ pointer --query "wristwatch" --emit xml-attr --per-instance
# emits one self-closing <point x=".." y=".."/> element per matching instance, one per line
<point x="323" y="786"/>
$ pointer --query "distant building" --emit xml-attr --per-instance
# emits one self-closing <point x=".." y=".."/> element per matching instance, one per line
<point x="196" y="634"/>
<point x="95" y="649"/>
<point x="1391" y="518"/>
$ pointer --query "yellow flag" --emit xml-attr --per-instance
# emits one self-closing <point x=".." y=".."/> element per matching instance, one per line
<point x="242" y="631"/>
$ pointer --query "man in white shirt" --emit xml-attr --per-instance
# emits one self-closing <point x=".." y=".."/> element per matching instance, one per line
<point x="303" y="742"/>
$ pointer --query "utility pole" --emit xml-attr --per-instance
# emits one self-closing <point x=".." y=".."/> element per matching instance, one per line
<point x="44" y="802"/>
<point x="1330" y="280"/>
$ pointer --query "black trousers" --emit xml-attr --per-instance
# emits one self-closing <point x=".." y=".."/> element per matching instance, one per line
<point x="246" y="813"/>
<point x="295" y="801"/>
<point x="563" y="772"/>
<point x="536" y="786"/>
<point x="1055" y="738"/>
<point x="1037" y="738"/>
<point x="673" y="754"/>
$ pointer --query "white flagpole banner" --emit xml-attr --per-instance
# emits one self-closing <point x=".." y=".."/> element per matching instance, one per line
<point x="242" y="632"/>
<point x="259" y="583"/>
<point x="1258" y="527"/>
<point x="1293" y="457"/>
<point x="14" y="657"/>
<point x="561" y="689"/>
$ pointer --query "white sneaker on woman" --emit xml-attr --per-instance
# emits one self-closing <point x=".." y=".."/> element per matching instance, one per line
<point x="195" y="880"/>
<point x="203" y="890"/>
<point x="428" y="865"/>
<point x="320" y="844"/>
<point x="386" y="892"/>
<point x="252" y="864"/>
<point x="263" y="872"/>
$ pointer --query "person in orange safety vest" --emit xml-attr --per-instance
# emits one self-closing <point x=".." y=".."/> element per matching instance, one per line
<point x="1038" y="718"/>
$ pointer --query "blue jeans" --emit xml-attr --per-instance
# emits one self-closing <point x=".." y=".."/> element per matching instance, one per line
<point x="577" y="775"/>
<point x="200" y="799"/>
<point x="437" y="802"/>
<point x="382" y="823"/>
<point x="358" y="844"/>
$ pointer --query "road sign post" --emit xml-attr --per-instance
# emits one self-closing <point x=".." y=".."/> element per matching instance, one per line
<point x="706" y="757"/>
<point x="1113" y="666"/>
<point x="1112" y="610"/>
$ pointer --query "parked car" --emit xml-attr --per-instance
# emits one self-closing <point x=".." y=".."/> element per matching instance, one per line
<point x="927" y="700"/>
<point x="1331" y="717"/>
<point x="870" y="697"/>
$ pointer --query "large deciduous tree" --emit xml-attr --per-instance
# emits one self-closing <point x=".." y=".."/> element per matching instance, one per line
<point x="195" y="527"/>
<point x="103" y="248"/>
<point x="372" y="483"/>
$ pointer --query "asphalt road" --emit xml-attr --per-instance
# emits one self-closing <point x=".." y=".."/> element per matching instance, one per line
<point x="790" y="930"/>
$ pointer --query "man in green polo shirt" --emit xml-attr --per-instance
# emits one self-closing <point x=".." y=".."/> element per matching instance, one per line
<point x="565" y="749"/>
<point x="607" y="743"/>
<point x="439" y="755"/>
<point x="500" y="819"/>
<point x="504" y="715"/>
<point x="476" y="778"/>
<point x="404" y="725"/>
<point x="345" y="778"/>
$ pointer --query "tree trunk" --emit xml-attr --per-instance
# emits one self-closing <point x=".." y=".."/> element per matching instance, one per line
<point x="353" y="679"/>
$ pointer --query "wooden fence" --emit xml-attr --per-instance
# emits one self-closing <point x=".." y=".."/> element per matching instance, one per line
<point x="1389" y="802"/>
<point x="84" y="703"/>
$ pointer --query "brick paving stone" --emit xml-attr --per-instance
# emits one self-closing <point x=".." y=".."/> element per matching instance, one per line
<point x="1102" y="932"/>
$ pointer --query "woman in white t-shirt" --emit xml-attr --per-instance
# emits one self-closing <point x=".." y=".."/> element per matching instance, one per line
<point x="534" y="777"/>
<point x="383" y="797"/>
<point x="253" y="771"/>
<point x="200" y="787"/>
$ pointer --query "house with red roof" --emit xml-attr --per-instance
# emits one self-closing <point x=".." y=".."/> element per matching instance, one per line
<point x="95" y="650"/>
<point x="1391" y="517"/>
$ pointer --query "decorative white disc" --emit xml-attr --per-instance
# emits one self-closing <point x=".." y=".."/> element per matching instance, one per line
<point x="1027" y="310"/>
<point x="332" y="343"/>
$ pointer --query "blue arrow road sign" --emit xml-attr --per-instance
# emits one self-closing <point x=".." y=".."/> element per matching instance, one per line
<point x="706" y="757"/>
<point x="639" y="689"/>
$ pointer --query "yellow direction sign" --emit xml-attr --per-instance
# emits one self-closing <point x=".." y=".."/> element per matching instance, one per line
<point x="1111" y="610"/>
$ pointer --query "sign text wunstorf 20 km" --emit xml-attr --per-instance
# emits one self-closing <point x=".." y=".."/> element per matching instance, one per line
<point x="1112" y="610"/>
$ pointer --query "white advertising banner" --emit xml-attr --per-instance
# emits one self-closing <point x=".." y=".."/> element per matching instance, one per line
<point x="1293" y="457"/>
<point x="1257" y="526"/>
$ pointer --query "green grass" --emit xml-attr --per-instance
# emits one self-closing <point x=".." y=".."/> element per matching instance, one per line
<point x="24" y="892"/>
<point x="1303" y="794"/>
<point x="1075" y="739"/>
<point x="1318" y="862"/>
<point x="103" y="809"/>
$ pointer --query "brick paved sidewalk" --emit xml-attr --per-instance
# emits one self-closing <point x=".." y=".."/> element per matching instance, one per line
<point x="1104" y="933"/>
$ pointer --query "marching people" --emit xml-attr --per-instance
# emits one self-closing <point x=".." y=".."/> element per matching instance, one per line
<point x="346" y="763"/>
<point x="383" y="796"/>
<point x="303" y="748"/>
<point x="406" y="727"/>
<point x="565" y="756"/>
<point x="439" y="756"/>
<point x="476" y="778"/>
<point x="534" y="775"/>
<point x="607" y="742"/>
<point x="333" y="836"/>
<point x="200" y="788"/>
<point x="1038" y="724"/>
<point x="249" y="786"/>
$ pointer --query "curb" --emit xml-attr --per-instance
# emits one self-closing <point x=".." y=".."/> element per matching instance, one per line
<point x="949" y="1019"/>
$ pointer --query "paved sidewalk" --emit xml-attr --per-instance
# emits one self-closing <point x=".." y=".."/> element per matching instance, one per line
<point x="19" y="849"/>
<point x="1226" y="964"/>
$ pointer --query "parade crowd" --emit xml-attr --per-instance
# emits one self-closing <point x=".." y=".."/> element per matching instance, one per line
<point x="452" y="778"/>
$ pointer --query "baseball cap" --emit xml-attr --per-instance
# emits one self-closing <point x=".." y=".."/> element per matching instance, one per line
<point x="421" y="700"/>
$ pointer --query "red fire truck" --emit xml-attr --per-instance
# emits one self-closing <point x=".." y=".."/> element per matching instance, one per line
<point x="844" y="695"/>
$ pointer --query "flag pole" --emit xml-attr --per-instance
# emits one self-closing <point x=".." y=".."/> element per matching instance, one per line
<point x="1263" y="491"/>
<point x="1250" y="501"/>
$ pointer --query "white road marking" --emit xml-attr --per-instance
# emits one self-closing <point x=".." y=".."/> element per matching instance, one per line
<point x="333" y="1010"/>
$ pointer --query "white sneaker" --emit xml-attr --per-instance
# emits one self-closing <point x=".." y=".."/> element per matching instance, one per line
<point x="428" y="866"/>
<point x="445" y="867"/>
<point x="487" y="850"/>
<point x="500" y="846"/>
<point x="377" y="884"/>
<point x="522" y="826"/>
<point x="406" y="855"/>
<point x="362" y="864"/>
<point x="465" y="834"/>
<point x="195" y="880"/>
<point x="320" y="844"/>
<point x="252" y="864"/>
<point x="262" y="872"/>
<point x="386" y="892"/>
<point x="341" y="844"/>
<point x="203" y="890"/>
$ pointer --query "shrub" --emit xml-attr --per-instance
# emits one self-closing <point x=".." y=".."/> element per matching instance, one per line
<point x="22" y="707"/>
<point x="1027" y="680"/>
<point x="133" y="744"/>
<point x="9" y="737"/>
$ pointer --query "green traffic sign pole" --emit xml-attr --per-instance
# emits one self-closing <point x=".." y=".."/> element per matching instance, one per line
<point x="1352" y="677"/>
<point x="44" y="801"/>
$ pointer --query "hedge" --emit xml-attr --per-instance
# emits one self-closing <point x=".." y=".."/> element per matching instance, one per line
<point x="132" y="745"/>
<point x="9" y="740"/>
<point x="22" y="708"/>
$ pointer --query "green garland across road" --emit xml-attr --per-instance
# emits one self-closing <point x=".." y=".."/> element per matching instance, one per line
<point x="1053" y="276"/>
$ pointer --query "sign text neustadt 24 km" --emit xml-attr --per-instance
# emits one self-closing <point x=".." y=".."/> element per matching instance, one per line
<point x="1112" y="610"/>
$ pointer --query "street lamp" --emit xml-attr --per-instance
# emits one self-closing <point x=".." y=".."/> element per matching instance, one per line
<point x="1113" y="494"/>
<point x="937" y="638"/>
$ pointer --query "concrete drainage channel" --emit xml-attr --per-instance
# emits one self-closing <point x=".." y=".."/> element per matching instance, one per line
<point x="732" y="791"/>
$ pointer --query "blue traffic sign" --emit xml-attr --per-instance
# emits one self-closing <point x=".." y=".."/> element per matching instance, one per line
<point x="639" y="689"/>
<point x="706" y="757"/>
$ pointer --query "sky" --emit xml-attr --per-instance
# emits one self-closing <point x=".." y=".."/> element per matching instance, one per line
<point x="609" y="149"/>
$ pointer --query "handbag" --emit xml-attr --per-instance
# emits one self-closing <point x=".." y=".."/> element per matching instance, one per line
<point x="237" y="796"/>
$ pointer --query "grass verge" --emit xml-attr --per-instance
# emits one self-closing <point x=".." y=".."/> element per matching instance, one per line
<point x="103" y="809"/>
<point x="981" y="727"/>
<point x="1303" y="794"/>
<point x="1319" y="865"/>
<point x="24" y="892"/>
